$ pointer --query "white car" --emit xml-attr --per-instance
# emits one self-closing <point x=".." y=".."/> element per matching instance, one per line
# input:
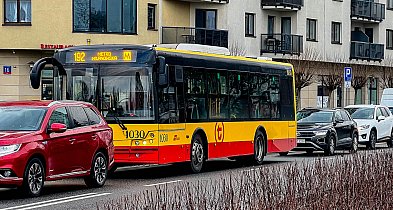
<point x="375" y="124"/>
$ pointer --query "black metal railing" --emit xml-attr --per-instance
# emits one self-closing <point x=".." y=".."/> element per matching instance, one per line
<point x="368" y="10"/>
<point x="177" y="35"/>
<point x="289" y="3"/>
<point x="281" y="44"/>
<point x="367" y="51"/>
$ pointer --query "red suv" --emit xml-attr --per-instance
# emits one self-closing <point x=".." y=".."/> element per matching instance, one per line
<point x="50" y="140"/>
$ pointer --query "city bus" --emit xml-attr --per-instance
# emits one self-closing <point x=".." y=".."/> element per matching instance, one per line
<point x="177" y="106"/>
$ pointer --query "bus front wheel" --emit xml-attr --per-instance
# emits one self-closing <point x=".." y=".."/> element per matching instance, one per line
<point x="197" y="154"/>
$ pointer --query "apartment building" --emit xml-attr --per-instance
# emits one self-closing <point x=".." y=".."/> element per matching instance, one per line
<point x="34" y="29"/>
<point x="320" y="37"/>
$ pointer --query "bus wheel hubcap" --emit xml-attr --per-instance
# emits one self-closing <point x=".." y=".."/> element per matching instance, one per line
<point x="197" y="152"/>
<point x="259" y="150"/>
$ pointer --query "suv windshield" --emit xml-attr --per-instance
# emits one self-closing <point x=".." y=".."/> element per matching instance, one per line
<point x="21" y="119"/>
<point x="362" y="113"/>
<point x="315" y="116"/>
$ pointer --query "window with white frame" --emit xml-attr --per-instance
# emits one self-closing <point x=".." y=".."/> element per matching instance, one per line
<point x="17" y="11"/>
<point x="250" y="24"/>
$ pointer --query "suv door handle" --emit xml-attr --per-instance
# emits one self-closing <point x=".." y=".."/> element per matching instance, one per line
<point x="71" y="140"/>
<point x="94" y="136"/>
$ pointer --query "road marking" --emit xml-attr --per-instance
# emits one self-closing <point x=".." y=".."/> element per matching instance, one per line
<point x="56" y="201"/>
<point x="162" y="183"/>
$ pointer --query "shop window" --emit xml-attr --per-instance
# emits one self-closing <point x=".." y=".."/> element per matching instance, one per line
<point x="17" y="11"/>
<point x="373" y="90"/>
<point x="116" y="16"/>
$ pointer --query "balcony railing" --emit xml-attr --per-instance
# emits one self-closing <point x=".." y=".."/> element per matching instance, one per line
<point x="177" y="35"/>
<point x="281" y="44"/>
<point x="286" y="3"/>
<point x="367" y="10"/>
<point x="367" y="51"/>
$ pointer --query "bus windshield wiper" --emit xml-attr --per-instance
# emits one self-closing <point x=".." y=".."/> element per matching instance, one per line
<point x="118" y="121"/>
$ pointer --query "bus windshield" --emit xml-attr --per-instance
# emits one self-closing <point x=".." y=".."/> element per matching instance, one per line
<point x="125" y="92"/>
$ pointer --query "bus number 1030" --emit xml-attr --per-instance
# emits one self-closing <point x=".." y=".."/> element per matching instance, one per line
<point x="79" y="56"/>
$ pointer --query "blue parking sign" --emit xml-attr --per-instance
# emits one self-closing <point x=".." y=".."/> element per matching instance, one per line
<point x="347" y="73"/>
<point x="7" y="69"/>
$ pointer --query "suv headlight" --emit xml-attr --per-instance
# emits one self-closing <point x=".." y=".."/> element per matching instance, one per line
<point x="6" y="150"/>
<point x="320" y="133"/>
<point x="364" y="127"/>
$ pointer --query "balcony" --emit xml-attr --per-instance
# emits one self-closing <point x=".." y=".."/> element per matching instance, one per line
<point x="177" y="35"/>
<point x="281" y="44"/>
<point x="367" y="11"/>
<point x="282" y="5"/>
<point x="208" y="1"/>
<point x="367" y="51"/>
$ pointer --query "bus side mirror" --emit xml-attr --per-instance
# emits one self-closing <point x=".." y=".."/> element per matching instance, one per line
<point x="162" y="72"/>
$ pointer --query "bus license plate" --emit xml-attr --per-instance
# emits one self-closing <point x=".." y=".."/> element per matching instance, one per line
<point x="301" y="140"/>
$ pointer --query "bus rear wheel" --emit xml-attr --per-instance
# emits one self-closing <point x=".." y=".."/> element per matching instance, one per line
<point x="259" y="148"/>
<point x="197" y="154"/>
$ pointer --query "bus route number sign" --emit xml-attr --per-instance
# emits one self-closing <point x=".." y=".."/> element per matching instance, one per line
<point x="101" y="56"/>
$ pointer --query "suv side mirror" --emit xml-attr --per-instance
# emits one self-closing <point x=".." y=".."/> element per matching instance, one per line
<point x="380" y="118"/>
<point x="162" y="71"/>
<point x="337" y="121"/>
<point x="57" y="128"/>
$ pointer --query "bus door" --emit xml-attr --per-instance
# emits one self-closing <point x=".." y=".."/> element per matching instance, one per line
<point x="288" y="110"/>
<point x="172" y="138"/>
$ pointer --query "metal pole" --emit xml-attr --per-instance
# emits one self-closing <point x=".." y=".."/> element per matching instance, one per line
<point x="322" y="91"/>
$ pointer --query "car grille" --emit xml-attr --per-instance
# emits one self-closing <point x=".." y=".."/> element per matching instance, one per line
<point x="306" y="134"/>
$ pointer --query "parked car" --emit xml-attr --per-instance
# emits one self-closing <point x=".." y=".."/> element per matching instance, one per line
<point x="375" y="123"/>
<point x="387" y="98"/>
<point x="326" y="130"/>
<point x="45" y="141"/>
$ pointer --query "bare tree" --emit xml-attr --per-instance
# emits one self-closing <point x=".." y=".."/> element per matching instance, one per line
<point x="334" y="77"/>
<point x="236" y="49"/>
<point x="361" y="73"/>
<point x="306" y="66"/>
<point x="387" y="77"/>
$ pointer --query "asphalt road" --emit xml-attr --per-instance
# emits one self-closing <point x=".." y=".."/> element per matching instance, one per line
<point x="73" y="194"/>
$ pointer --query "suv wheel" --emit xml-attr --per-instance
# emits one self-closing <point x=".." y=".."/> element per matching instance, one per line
<point x="355" y="143"/>
<point x="331" y="147"/>
<point x="372" y="140"/>
<point x="98" y="171"/>
<point x="390" y="141"/>
<point x="33" y="178"/>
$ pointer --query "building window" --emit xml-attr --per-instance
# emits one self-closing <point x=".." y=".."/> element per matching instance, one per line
<point x="250" y="24"/>
<point x="389" y="39"/>
<point x="104" y="16"/>
<point x="205" y="18"/>
<point x="373" y="90"/>
<point x="390" y="4"/>
<point x="336" y="33"/>
<point x="151" y="16"/>
<point x="311" y="30"/>
<point x="17" y="11"/>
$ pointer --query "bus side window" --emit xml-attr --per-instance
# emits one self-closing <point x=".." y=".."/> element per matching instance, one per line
<point x="195" y="94"/>
<point x="238" y="95"/>
<point x="275" y="96"/>
<point x="287" y="100"/>
<point x="259" y="96"/>
<point x="218" y="95"/>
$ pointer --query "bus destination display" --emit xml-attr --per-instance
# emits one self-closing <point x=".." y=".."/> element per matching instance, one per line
<point x="101" y="56"/>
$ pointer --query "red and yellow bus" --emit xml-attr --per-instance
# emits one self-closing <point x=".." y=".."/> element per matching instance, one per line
<point x="169" y="106"/>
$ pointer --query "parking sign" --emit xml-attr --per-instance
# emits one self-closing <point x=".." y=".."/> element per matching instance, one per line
<point x="347" y="74"/>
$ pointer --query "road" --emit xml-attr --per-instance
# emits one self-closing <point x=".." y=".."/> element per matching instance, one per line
<point x="73" y="194"/>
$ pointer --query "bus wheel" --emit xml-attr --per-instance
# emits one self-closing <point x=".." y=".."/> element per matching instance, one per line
<point x="259" y="148"/>
<point x="197" y="154"/>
